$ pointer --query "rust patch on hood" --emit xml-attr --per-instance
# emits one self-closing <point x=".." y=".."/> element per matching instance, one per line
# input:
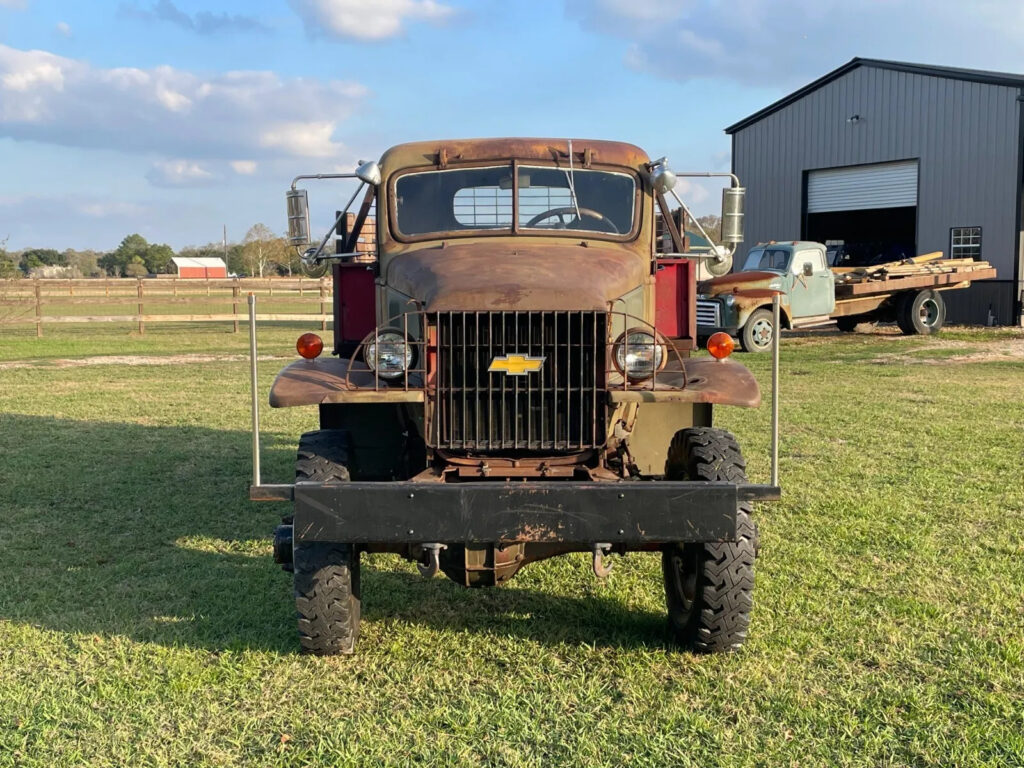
<point x="738" y="281"/>
<point x="516" y="275"/>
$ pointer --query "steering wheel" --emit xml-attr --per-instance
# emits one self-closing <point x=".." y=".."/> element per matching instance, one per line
<point x="561" y="213"/>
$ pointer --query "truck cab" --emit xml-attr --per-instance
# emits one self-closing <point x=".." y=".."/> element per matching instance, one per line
<point x="740" y="303"/>
<point x="512" y="380"/>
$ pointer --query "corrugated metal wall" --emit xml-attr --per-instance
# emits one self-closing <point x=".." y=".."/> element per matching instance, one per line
<point x="965" y="135"/>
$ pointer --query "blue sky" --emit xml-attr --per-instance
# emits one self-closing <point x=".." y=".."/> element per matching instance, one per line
<point x="173" y="118"/>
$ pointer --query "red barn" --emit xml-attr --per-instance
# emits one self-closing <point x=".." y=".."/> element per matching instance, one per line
<point x="204" y="267"/>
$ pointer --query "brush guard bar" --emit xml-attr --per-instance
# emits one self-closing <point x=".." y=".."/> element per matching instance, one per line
<point x="626" y="512"/>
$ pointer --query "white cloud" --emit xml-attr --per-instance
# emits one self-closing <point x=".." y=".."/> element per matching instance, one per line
<point x="172" y="112"/>
<point x="244" y="167"/>
<point x="63" y="28"/>
<point x="107" y="209"/>
<point x="179" y="173"/>
<point x="789" y="42"/>
<point x="13" y="3"/>
<point x="366" y="19"/>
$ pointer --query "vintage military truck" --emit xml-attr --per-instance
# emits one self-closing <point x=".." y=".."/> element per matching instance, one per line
<point x="512" y="380"/>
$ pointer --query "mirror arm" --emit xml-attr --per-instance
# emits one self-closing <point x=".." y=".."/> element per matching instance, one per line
<point x="314" y="257"/>
<point x="673" y="230"/>
<point x="730" y="248"/>
<point x="357" y="226"/>
<point x="297" y="179"/>
<point x="712" y="174"/>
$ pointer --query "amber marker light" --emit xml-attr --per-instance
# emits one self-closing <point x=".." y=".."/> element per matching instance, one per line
<point x="309" y="345"/>
<point x="720" y="345"/>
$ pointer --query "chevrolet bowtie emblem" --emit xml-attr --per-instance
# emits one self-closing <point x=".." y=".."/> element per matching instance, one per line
<point x="515" y="365"/>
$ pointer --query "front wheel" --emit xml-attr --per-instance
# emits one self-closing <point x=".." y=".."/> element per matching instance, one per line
<point x="709" y="586"/>
<point x="758" y="332"/>
<point x="327" y="597"/>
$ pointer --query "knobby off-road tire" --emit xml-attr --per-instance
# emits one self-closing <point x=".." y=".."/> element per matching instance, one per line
<point x="326" y="574"/>
<point x="922" y="313"/>
<point x="709" y="586"/>
<point x="756" y="334"/>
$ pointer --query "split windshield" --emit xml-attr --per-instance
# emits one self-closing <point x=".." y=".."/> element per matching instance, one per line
<point x="767" y="258"/>
<point x="481" y="199"/>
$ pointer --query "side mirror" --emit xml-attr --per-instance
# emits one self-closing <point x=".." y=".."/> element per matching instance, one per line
<point x="662" y="178"/>
<point x="369" y="173"/>
<point x="732" y="214"/>
<point x="808" y="269"/>
<point x="298" y="217"/>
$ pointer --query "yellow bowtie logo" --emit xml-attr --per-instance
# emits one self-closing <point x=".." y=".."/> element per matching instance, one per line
<point x="515" y="365"/>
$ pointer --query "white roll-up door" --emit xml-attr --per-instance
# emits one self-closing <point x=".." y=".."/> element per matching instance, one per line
<point x="886" y="185"/>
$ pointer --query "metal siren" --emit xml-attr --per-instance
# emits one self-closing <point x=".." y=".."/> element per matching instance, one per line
<point x="298" y="217"/>
<point x="662" y="177"/>
<point x="369" y="172"/>
<point x="720" y="263"/>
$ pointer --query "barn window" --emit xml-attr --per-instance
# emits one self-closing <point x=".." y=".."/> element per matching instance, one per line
<point x="965" y="243"/>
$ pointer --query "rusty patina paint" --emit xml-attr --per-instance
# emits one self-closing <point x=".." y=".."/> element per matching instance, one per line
<point x="514" y="273"/>
<point x="330" y="380"/>
<point x="428" y="153"/>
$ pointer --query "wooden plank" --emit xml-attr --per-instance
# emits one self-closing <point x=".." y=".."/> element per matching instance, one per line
<point x="912" y="282"/>
<point x="159" y="318"/>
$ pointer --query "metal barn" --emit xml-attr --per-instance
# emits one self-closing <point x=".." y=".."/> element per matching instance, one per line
<point x="886" y="158"/>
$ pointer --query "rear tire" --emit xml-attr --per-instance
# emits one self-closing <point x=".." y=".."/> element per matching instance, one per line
<point x="326" y="582"/>
<point x="756" y="334"/>
<point x="709" y="586"/>
<point x="921" y="313"/>
<point x="850" y="323"/>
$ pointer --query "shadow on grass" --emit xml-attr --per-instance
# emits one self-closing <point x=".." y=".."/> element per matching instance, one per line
<point x="146" y="532"/>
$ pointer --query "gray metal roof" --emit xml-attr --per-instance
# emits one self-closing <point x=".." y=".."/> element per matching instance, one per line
<point x="974" y="75"/>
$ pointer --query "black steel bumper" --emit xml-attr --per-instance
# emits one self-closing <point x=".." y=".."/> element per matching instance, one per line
<point x="563" y="512"/>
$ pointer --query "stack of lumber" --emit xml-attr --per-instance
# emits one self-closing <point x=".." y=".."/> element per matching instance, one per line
<point x="927" y="264"/>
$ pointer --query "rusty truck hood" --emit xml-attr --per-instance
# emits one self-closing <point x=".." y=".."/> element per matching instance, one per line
<point x="516" y="275"/>
<point x="736" y="282"/>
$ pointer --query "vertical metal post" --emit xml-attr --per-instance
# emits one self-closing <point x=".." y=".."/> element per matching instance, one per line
<point x="142" y="324"/>
<point x="776" y="332"/>
<point x="253" y="387"/>
<point x="234" y="305"/>
<point x="39" y="310"/>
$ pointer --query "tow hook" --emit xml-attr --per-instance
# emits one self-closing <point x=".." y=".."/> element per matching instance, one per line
<point x="600" y="569"/>
<point x="433" y="564"/>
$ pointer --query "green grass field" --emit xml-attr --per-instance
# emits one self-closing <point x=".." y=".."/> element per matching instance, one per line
<point x="142" y="621"/>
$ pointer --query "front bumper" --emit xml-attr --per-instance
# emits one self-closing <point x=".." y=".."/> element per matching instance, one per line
<point x="631" y="513"/>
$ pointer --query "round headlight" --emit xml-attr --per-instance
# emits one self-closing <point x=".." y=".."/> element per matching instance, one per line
<point x="389" y="354"/>
<point x="638" y="355"/>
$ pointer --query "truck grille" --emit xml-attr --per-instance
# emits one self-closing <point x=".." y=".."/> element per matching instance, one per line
<point x="554" y="407"/>
<point x="709" y="313"/>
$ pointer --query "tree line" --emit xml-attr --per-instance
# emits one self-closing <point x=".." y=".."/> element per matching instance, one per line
<point x="262" y="253"/>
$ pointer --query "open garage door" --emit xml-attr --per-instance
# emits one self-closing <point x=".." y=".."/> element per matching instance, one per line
<point x="866" y="214"/>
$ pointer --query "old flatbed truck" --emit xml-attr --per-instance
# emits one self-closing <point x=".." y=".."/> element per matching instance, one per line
<point x="907" y="292"/>
<point x="512" y="380"/>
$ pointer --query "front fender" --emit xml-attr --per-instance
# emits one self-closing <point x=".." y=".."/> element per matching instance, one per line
<point x="700" y="380"/>
<point x="337" y="380"/>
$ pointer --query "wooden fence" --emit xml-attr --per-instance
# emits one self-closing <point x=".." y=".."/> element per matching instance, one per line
<point x="162" y="300"/>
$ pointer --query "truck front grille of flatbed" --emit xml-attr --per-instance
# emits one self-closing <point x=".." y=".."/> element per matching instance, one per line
<point x="556" y="407"/>
<point x="709" y="313"/>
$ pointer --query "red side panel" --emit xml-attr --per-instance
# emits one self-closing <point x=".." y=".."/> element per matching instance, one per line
<point x="675" y="313"/>
<point x="354" y="304"/>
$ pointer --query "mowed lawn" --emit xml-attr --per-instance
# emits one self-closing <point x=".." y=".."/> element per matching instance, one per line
<point x="142" y="621"/>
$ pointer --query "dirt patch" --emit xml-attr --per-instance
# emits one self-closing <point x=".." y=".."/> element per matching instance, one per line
<point x="80" y="362"/>
<point x="1011" y="350"/>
